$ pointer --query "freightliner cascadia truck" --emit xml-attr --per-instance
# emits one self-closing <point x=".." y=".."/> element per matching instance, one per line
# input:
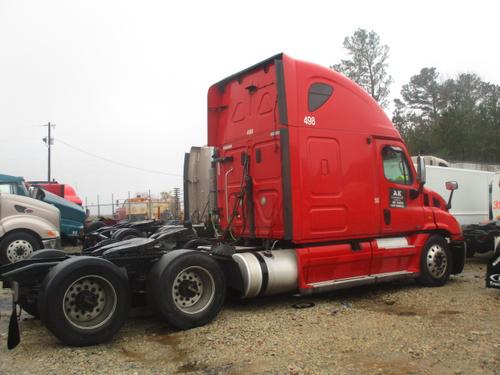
<point x="314" y="191"/>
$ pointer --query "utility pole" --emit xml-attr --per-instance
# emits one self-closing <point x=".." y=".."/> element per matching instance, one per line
<point x="48" y="141"/>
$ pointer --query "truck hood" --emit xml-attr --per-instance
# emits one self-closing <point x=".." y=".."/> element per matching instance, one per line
<point x="20" y="212"/>
<point x="30" y="203"/>
<point x="69" y="211"/>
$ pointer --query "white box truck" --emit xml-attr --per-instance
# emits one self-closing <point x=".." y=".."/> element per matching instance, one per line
<point x="476" y="203"/>
<point x="471" y="203"/>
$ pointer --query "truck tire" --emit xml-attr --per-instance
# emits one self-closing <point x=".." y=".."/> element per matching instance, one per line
<point x="186" y="288"/>
<point x="17" y="246"/>
<point x="435" y="262"/>
<point x="126" y="234"/>
<point x="84" y="300"/>
<point x="470" y="252"/>
<point x="93" y="226"/>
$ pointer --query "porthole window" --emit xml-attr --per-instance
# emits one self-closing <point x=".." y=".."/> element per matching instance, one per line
<point x="318" y="94"/>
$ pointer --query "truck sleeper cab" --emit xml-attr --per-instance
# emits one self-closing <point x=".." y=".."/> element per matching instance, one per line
<point x="314" y="190"/>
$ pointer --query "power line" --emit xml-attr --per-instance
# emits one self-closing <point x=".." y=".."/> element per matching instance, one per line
<point x="117" y="162"/>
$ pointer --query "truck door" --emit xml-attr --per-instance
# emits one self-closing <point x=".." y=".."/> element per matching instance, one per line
<point x="401" y="208"/>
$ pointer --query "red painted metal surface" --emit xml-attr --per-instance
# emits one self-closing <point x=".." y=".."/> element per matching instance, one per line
<point x="286" y="172"/>
<point x="63" y="190"/>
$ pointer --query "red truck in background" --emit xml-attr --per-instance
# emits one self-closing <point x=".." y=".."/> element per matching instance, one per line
<point x="315" y="191"/>
<point x="65" y="191"/>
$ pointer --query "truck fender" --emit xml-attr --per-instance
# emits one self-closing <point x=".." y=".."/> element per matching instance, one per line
<point x="26" y="271"/>
<point x="48" y="254"/>
<point x="35" y="224"/>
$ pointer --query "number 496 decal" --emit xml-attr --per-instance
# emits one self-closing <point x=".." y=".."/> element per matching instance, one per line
<point x="310" y="120"/>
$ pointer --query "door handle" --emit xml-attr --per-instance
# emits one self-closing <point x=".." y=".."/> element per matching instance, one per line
<point x="387" y="216"/>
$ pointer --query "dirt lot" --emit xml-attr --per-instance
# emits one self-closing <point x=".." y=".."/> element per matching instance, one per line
<point x="393" y="329"/>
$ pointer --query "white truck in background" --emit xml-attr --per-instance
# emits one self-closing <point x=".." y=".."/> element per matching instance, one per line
<point x="471" y="202"/>
<point x="475" y="204"/>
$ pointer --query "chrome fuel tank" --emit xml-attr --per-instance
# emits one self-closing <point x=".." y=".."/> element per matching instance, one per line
<point x="267" y="272"/>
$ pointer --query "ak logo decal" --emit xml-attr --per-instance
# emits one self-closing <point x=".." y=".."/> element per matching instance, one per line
<point x="397" y="198"/>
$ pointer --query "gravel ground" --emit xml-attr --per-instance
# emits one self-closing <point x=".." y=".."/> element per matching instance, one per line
<point x="392" y="329"/>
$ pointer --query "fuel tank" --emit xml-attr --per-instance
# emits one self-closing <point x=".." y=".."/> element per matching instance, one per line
<point x="267" y="272"/>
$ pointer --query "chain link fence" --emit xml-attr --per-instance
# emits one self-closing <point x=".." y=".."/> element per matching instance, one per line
<point x="138" y="206"/>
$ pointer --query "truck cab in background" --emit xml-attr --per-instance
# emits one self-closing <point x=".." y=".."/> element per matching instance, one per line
<point x="26" y="225"/>
<point x="65" y="191"/>
<point x="72" y="215"/>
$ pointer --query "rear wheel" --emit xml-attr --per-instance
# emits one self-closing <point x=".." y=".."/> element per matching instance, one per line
<point x="187" y="289"/>
<point x="435" y="262"/>
<point x="94" y="226"/>
<point x="17" y="246"/>
<point x="84" y="300"/>
<point x="126" y="234"/>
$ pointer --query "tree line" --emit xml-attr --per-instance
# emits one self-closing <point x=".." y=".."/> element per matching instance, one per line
<point x="456" y="118"/>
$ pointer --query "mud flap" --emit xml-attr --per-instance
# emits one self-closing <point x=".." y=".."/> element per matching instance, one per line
<point x="14" y="338"/>
<point x="493" y="272"/>
<point x="458" y="253"/>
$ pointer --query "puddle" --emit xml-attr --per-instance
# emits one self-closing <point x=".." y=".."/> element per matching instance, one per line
<point x="173" y="341"/>
<point x="133" y="355"/>
<point x="395" y="309"/>
<point x="5" y="302"/>
<point x="450" y="312"/>
<point x="189" y="367"/>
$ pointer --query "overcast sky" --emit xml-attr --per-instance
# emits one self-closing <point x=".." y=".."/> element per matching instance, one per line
<point x="127" y="81"/>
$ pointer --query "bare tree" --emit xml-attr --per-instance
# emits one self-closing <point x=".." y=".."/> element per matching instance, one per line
<point x="367" y="65"/>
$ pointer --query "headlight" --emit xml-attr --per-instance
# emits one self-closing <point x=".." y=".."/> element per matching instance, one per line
<point x="52" y="233"/>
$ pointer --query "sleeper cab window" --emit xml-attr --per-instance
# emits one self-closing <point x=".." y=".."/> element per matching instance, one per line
<point x="317" y="95"/>
<point x="396" y="168"/>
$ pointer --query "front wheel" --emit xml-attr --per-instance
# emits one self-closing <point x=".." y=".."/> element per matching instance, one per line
<point x="435" y="262"/>
<point x="187" y="288"/>
<point x="84" y="300"/>
<point x="17" y="246"/>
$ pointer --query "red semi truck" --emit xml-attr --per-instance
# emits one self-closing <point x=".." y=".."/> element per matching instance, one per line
<point x="65" y="191"/>
<point x="315" y="191"/>
<point x="306" y="157"/>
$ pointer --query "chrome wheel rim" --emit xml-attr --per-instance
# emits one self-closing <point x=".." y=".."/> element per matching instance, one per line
<point x="193" y="290"/>
<point x="437" y="261"/>
<point x="89" y="302"/>
<point x="19" y="250"/>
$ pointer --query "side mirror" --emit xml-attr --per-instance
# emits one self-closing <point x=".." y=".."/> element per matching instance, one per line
<point x="451" y="185"/>
<point x="421" y="170"/>
<point x="38" y="193"/>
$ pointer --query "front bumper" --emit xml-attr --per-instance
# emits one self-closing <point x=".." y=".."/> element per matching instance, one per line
<point x="52" y="243"/>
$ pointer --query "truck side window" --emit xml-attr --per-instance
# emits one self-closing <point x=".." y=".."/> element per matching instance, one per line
<point x="396" y="167"/>
<point x="318" y="94"/>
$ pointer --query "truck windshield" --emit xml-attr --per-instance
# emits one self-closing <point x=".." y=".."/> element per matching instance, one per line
<point x="17" y="188"/>
<point x="7" y="188"/>
<point x="396" y="167"/>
